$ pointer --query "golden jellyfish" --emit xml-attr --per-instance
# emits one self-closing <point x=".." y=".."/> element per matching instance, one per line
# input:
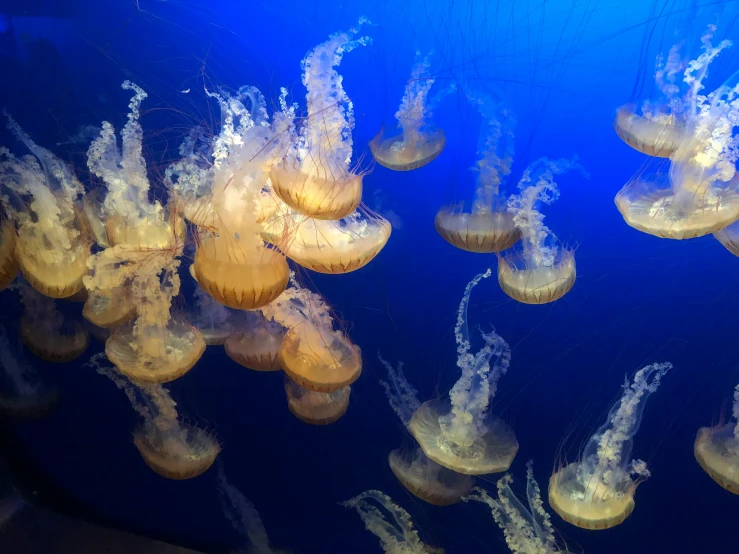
<point x="597" y="492"/>
<point x="170" y="447"/>
<point x="459" y="432"/>
<point x="488" y="226"/>
<point x="313" y="354"/>
<point x="717" y="450"/>
<point x="315" y="178"/>
<point x="8" y="265"/>
<point x="542" y="271"/>
<point x="654" y="134"/>
<point x="415" y="141"/>
<point x="52" y="247"/>
<point x="316" y="408"/>
<point x="255" y="342"/>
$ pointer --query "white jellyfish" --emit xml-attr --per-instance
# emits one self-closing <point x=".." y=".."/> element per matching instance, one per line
<point x="717" y="449"/>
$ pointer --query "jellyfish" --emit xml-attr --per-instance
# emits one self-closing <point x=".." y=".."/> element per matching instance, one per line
<point x="729" y="238"/>
<point x="47" y="332"/>
<point x="543" y="270"/>
<point x="244" y="518"/>
<point x="8" y="265"/>
<point x="25" y="396"/>
<point x="169" y="446"/>
<point x="527" y="530"/>
<point x="396" y="533"/>
<point x="717" y="450"/>
<point x="51" y="247"/>
<point x="211" y="318"/>
<point x="597" y="492"/>
<point x="488" y="226"/>
<point x="418" y="473"/>
<point x="315" y="177"/>
<point x="460" y="433"/>
<point x="316" y="408"/>
<point x="313" y="354"/>
<point x="697" y="193"/>
<point x="255" y="342"/>
<point x="416" y="141"/>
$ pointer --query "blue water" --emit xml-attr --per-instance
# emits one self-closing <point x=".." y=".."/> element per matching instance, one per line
<point x="562" y="66"/>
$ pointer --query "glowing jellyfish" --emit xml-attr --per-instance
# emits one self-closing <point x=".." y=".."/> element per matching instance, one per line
<point x="24" y="396"/>
<point x="51" y="248"/>
<point x="172" y="448"/>
<point x="315" y="178"/>
<point x="717" y="450"/>
<point x="542" y="271"/>
<point x="419" y="474"/>
<point x="527" y="530"/>
<point x="416" y="141"/>
<point x="313" y="354"/>
<point x="45" y="331"/>
<point x="699" y="194"/>
<point x="8" y="265"/>
<point x="396" y="533"/>
<point x="459" y="433"/>
<point x="329" y="246"/>
<point x="597" y="492"/>
<point x="211" y="318"/>
<point x="316" y="408"/>
<point x="488" y="226"/>
<point x="110" y="308"/>
<point x="255" y="342"/>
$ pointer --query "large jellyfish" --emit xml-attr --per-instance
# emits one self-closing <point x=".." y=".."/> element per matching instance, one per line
<point x="313" y="354"/>
<point x="418" y="473"/>
<point x="527" y="530"/>
<point x="8" y="266"/>
<point x="459" y="432"/>
<point x="416" y="141"/>
<point x="543" y="270"/>
<point x="717" y="450"/>
<point x="170" y="447"/>
<point x="316" y="408"/>
<point x="255" y="342"/>
<point x="597" y="492"/>
<point x="699" y="194"/>
<point x="51" y="247"/>
<point x="397" y="534"/>
<point x="488" y="226"/>
<point x="315" y="177"/>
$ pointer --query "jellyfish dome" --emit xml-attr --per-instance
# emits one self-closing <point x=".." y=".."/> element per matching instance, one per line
<point x="717" y="450"/>
<point x="542" y="271"/>
<point x="255" y="342"/>
<point x="8" y="265"/>
<point x="657" y="135"/>
<point x="109" y="308"/>
<point x="598" y="491"/>
<point x="488" y="226"/>
<point x="459" y="432"/>
<point x="315" y="178"/>
<point x="415" y="142"/>
<point x="316" y="408"/>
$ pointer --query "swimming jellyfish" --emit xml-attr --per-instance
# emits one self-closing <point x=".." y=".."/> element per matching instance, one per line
<point x="314" y="178"/>
<point x="211" y="318"/>
<point x="418" y="473"/>
<point x="169" y="446"/>
<point x="717" y="450"/>
<point x="8" y="266"/>
<point x="397" y="534"/>
<point x="459" y="432"/>
<point x="316" y="408"/>
<point x="255" y="342"/>
<point x="543" y="270"/>
<point x="527" y="530"/>
<point x="597" y="492"/>
<point x="51" y="247"/>
<point x="488" y="226"/>
<point x="416" y="141"/>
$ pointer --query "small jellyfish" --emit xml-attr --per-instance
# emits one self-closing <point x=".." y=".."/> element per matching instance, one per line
<point x="459" y="432"/>
<point x="488" y="226"/>
<point x="397" y="534"/>
<point x="110" y="307"/>
<point x="527" y="530"/>
<point x="211" y="318"/>
<point x="597" y="492"/>
<point x="8" y="266"/>
<point x="51" y="247"/>
<point x="416" y="141"/>
<point x="717" y="450"/>
<point x="170" y="447"/>
<point x="315" y="177"/>
<point x="543" y="270"/>
<point x="729" y="238"/>
<point x="313" y="354"/>
<point x="316" y="408"/>
<point x="418" y="473"/>
<point x="255" y="342"/>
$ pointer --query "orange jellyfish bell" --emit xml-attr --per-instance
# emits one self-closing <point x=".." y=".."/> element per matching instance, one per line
<point x="391" y="150"/>
<point x="8" y="264"/>
<point x="659" y="137"/>
<point x="529" y="284"/>
<point x="257" y="346"/>
<point x="316" y="408"/>
<point x="484" y="232"/>
<point x="429" y="481"/>
<point x="716" y="449"/>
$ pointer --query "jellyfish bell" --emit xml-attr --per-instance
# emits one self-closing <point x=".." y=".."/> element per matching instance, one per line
<point x="655" y="136"/>
<point x="393" y="150"/>
<point x="429" y="481"/>
<point x="484" y="232"/>
<point x="63" y="345"/>
<point x="316" y="408"/>
<point x="256" y="344"/>
<point x="531" y="284"/>
<point x="109" y="308"/>
<point x="8" y="265"/>
<point x="717" y="451"/>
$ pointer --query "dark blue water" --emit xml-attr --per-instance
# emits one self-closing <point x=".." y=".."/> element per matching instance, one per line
<point x="562" y="66"/>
